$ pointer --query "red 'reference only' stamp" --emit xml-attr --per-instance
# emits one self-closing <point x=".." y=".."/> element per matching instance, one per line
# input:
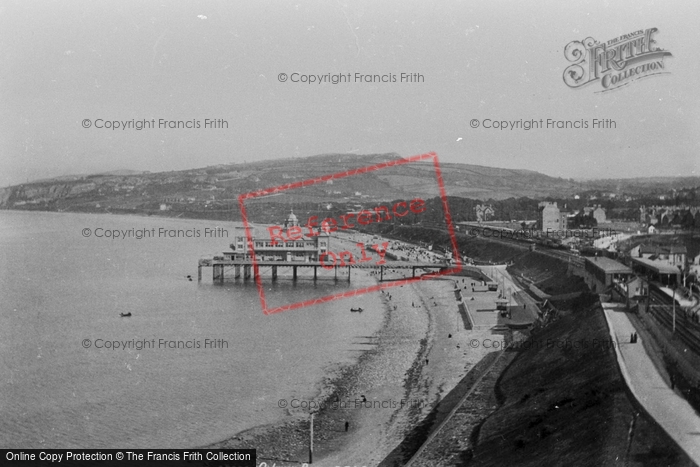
<point x="372" y="254"/>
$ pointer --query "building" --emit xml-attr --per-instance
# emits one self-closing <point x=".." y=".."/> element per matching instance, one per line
<point x="549" y="217"/>
<point x="657" y="271"/>
<point x="173" y="199"/>
<point x="309" y="247"/>
<point x="696" y="260"/>
<point x="598" y="214"/>
<point x="633" y="288"/>
<point x="694" y="266"/>
<point x="484" y="213"/>
<point x="682" y="216"/>
<point x="673" y="255"/>
<point x="600" y="273"/>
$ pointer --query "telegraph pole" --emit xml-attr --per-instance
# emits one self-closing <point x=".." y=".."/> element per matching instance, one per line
<point x="674" y="309"/>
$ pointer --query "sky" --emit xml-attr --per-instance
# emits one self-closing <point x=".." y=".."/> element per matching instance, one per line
<point x="71" y="66"/>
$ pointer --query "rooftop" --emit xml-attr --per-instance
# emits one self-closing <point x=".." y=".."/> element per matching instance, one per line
<point x="609" y="266"/>
<point x="664" y="250"/>
<point x="657" y="267"/>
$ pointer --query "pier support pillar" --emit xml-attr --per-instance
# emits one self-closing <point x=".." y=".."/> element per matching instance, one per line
<point x="294" y="272"/>
<point x="414" y="272"/>
<point x="218" y="272"/>
<point x="336" y="272"/>
<point x="237" y="271"/>
<point x="381" y="273"/>
<point x="274" y="272"/>
<point x="315" y="272"/>
<point x="246" y="272"/>
<point x="348" y="273"/>
<point x="199" y="273"/>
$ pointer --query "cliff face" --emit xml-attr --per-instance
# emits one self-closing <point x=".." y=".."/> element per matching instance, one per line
<point x="21" y="195"/>
<point x="5" y="194"/>
<point x="47" y="192"/>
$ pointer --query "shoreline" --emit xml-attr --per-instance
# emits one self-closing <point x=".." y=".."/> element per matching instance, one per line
<point x="412" y="330"/>
<point x="419" y="381"/>
<point x="418" y="355"/>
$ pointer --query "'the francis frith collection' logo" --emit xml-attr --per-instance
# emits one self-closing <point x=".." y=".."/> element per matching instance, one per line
<point x="617" y="62"/>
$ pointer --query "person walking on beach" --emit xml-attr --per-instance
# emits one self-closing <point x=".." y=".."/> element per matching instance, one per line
<point x="347" y="425"/>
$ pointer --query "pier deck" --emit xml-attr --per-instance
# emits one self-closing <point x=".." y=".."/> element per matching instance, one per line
<point x="219" y="265"/>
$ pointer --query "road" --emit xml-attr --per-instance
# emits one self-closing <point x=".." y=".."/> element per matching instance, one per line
<point x="675" y="415"/>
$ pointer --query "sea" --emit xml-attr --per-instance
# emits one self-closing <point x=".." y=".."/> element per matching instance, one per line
<point x="196" y="363"/>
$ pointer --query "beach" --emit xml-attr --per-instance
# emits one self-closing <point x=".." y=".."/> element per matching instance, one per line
<point x="60" y="325"/>
<point x="381" y="370"/>
<point x="420" y="353"/>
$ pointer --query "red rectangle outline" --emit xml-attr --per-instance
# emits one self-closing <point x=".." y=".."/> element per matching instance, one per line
<point x="347" y="173"/>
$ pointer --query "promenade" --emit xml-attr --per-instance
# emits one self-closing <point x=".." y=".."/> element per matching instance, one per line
<point x="500" y="274"/>
<point x="671" y="411"/>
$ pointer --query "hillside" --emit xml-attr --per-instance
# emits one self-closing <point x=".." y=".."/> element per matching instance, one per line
<point x="211" y="192"/>
<point x="217" y="187"/>
<point x="643" y="184"/>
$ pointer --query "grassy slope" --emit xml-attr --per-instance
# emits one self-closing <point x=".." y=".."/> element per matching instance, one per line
<point x="550" y="274"/>
<point x="566" y="406"/>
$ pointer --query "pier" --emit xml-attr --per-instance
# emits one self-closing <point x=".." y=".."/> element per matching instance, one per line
<point x="252" y="269"/>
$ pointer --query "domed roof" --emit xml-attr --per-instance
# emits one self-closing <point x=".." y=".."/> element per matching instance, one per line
<point x="291" y="220"/>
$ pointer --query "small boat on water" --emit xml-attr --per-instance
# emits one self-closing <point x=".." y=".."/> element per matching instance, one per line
<point x="358" y="310"/>
<point x="125" y="315"/>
